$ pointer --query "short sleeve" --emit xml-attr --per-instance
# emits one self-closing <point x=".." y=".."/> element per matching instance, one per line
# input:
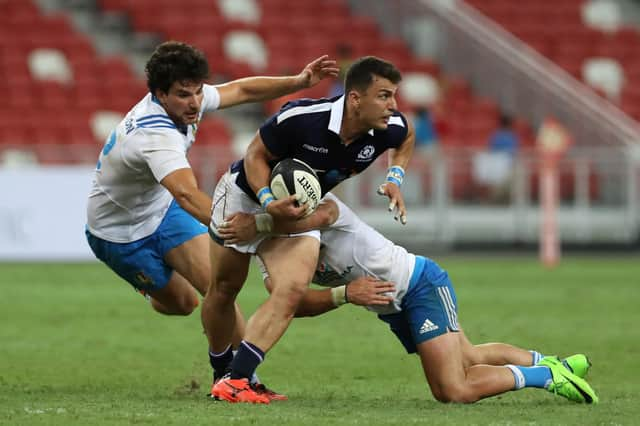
<point x="278" y="136"/>
<point x="398" y="129"/>
<point x="163" y="153"/>
<point x="211" y="100"/>
<point x="345" y="218"/>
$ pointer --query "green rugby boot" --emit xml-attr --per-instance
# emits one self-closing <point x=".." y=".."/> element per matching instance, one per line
<point x="578" y="364"/>
<point x="567" y="384"/>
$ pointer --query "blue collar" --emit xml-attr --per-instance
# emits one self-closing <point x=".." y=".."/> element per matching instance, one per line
<point x="183" y="128"/>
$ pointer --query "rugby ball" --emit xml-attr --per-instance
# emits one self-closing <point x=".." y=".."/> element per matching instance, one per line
<point x="291" y="176"/>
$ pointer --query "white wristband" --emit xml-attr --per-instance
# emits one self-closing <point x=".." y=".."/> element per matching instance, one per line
<point x="339" y="295"/>
<point x="264" y="222"/>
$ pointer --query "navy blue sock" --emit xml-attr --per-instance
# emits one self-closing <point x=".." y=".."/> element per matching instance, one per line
<point x="220" y="362"/>
<point x="247" y="359"/>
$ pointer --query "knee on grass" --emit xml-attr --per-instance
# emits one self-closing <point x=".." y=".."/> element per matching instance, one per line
<point x="454" y="394"/>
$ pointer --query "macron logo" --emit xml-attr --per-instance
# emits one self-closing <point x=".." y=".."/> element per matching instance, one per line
<point x="427" y="326"/>
<point x="318" y="149"/>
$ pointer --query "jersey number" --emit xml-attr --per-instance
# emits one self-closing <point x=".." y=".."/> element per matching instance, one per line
<point x="108" y="146"/>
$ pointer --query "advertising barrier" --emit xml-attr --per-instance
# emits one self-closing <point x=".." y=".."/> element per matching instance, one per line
<point x="43" y="213"/>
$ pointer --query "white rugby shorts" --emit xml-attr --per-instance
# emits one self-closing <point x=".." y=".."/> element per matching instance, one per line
<point x="229" y="198"/>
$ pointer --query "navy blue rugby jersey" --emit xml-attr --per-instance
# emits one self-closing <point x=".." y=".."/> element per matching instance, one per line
<point x="309" y="130"/>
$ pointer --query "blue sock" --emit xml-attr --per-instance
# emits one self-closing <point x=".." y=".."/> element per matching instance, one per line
<point x="220" y="362"/>
<point x="530" y="377"/>
<point x="247" y="359"/>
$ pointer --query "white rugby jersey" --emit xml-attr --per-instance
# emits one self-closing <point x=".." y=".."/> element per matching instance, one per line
<point x="350" y="249"/>
<point x="127" y="202"/>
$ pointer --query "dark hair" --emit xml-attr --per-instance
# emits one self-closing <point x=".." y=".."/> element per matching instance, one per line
<point x="360" y="73"/>
<point x="506" y="120"/>
<point x="174" y="61"/>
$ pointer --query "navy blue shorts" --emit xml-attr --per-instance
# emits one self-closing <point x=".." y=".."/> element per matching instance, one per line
<point x="429" y="309"/>
<point x="141" y="263"/>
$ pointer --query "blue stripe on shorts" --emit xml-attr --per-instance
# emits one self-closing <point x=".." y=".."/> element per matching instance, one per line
<point x="429" y="309"/>
<point x="141" y="263"/>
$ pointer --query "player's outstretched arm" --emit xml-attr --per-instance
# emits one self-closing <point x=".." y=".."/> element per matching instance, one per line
<point x="324" y="216"/>
<point x="257" y="89"/>
<point x="398" y="161"/>
<point x="363" y="291"/>
<point x="242" y="227"/>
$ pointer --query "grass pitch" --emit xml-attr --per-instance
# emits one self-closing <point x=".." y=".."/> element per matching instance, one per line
<point x="77" y="346"/>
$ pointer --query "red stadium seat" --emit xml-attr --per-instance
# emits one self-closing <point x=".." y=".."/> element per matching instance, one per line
<point x="524" y="131"/>
<point x="213" y="131"/>
<point x="53" y="95"/>
<point x="20" y="93"/>
<point x="361" y="28"/>
<point x="293" y="32"/>
<point x="81" y="134"/>
<point x="17" y="135"/>
<point x="115" y="68"/>
<point x="422" y="65"/>
<point x="556" y="30"/>
<point x="77" y="46"/>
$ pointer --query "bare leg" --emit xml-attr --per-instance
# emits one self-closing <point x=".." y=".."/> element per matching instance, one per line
<point x="191" y="271"/>
<point x="229" y="270"/>
<point x="493" y="353"/>
<point x="176" y="298"/>
<point x="240" y="327"/>
<point x="290" y="276"/>
<point x="444" y="366"/>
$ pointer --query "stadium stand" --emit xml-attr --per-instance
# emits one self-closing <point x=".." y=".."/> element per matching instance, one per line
<point x="51" y="75"/>
<point x="51" y="118"/>
<point x="250" y="36"/>
<point x="586" y="38"/>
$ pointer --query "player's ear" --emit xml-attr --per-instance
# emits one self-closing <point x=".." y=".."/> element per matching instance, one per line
<point x="353" y="98"/>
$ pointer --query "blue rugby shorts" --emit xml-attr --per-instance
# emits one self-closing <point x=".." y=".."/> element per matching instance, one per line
<point x="429" y="308"/>
<point x="141" y="263"/>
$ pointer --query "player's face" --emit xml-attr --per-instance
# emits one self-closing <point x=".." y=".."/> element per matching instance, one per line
<point x="183" y="101"/>
<point x="377" y="103"/>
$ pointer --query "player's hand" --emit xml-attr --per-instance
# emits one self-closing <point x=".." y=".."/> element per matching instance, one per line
<point x="396" y="201"/>
<point x="318" y="69"/>
<point x="366" y="291"/>
<point x="292" y="207"/>
<point x="238" y="228"/>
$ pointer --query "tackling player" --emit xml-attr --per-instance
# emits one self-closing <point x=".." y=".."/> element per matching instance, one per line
<point x="339" y="138"/>
<point x="422" y="311"/>
<point x="146" y="217"/>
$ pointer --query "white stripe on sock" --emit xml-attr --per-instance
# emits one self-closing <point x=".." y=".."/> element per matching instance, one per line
<point x="517" y="374"/>
<point x="537" y="357"/>
<point x="252" y="351"/>
<point x="216" y="355"/>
